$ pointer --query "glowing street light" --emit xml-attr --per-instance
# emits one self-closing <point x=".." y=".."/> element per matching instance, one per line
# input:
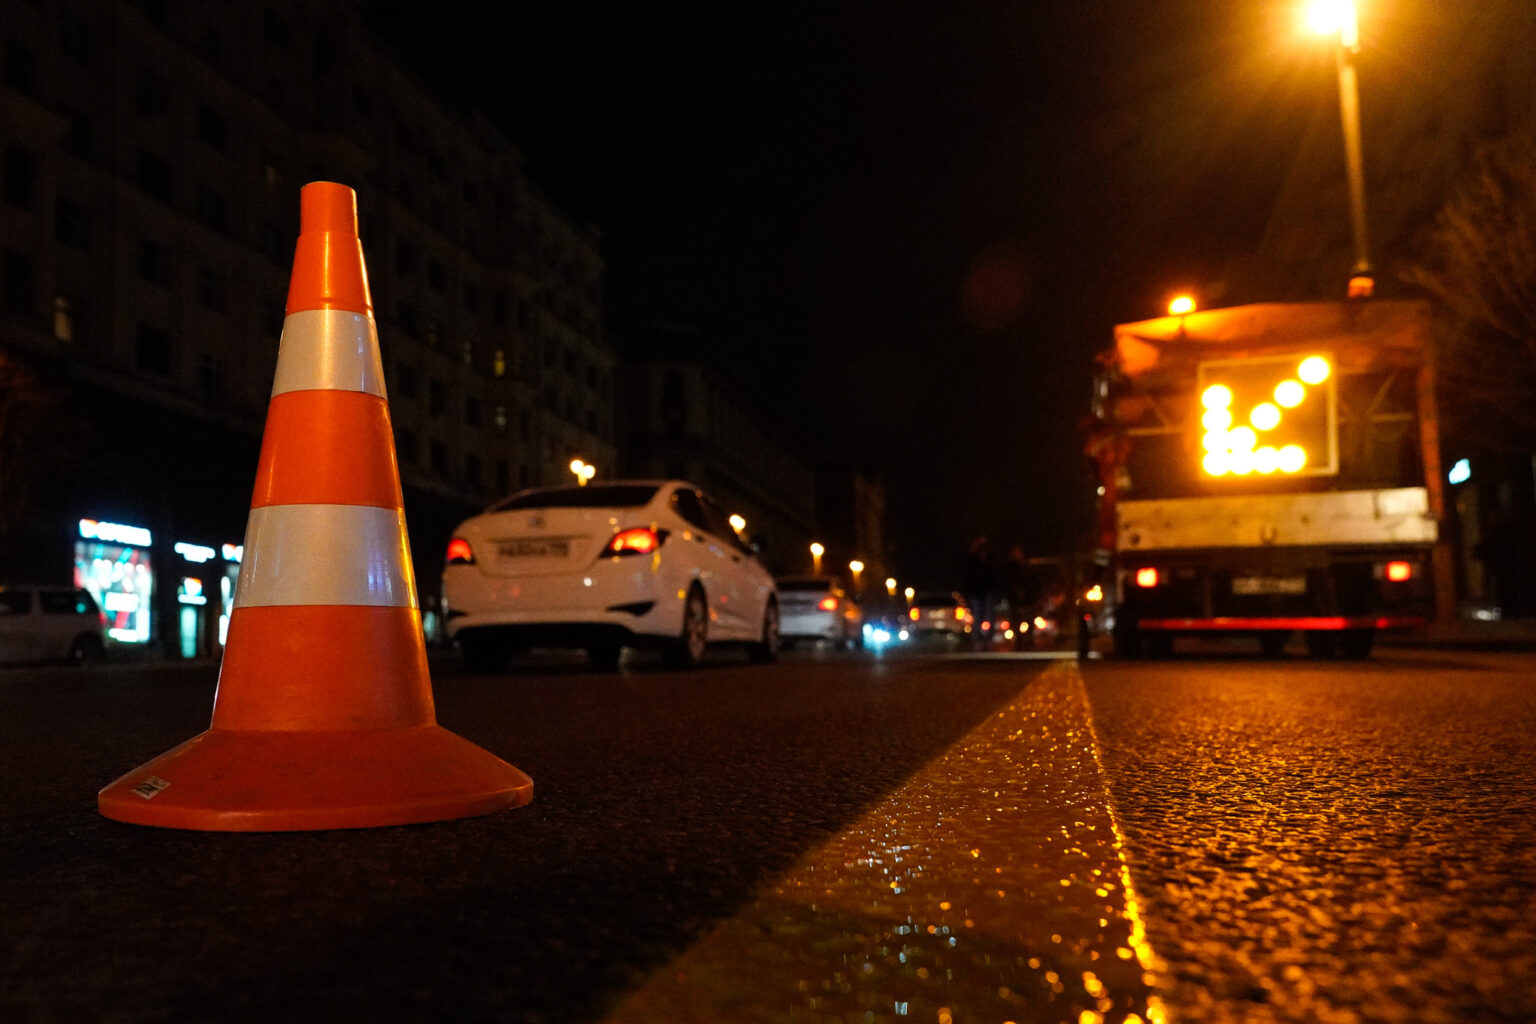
<point x="1330" y="17"/>
<point x="816" y="552"/>
<point x="890" y="586"/>
<point x="1181" y="304"/>
<point x="856" y="567"/>
<point x="584" y="471"/>
<point x="738" y="523"/>
<point x="909" y="594"/>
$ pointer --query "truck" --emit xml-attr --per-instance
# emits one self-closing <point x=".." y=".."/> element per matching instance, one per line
<point x="1268" y="471"/>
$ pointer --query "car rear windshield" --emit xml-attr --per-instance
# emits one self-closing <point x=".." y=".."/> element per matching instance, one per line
<point x="802" y="586"/>
<point x="934" y="601"/>
<point x="591" y="496"/>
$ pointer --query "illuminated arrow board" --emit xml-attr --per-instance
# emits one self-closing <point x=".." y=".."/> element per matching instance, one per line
<point x="1268" y="416"/>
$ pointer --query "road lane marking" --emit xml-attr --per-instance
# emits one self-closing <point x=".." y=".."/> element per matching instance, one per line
<point x="990" y="887"/>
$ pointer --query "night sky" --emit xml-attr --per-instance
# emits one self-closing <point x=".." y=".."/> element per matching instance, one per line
<point x="911" y="226"/>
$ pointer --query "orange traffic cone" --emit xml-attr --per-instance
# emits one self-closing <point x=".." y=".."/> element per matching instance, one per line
<point x="323" y="716"/>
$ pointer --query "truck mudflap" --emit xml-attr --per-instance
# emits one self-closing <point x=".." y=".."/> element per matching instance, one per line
<point x="1315" y="623"/>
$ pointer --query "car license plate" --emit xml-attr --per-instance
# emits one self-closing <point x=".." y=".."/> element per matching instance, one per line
<point x="550" y="548"/>
<point x="1269" y="584"/>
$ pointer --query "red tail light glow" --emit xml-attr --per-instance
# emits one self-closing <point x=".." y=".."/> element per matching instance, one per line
<point x="827" y="604"/>
<point x="1399" y="572"/>
<point x="637" y="541"/>
<point x="1146" y="577"/>
<point x="459" y="552"/>
<point x="914" y="614"/>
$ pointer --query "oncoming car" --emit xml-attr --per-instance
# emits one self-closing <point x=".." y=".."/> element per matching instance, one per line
<point x="816" y="608"/>
<point x="649" y="564"/>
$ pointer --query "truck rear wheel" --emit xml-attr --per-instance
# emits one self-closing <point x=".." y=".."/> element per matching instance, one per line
<point x="1356" y="644"/>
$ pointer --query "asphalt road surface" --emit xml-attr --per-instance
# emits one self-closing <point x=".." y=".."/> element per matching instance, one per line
<point x="828" y="839"/>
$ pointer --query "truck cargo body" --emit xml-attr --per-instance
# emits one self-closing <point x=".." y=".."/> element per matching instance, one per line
<point x="1317" y="515"/>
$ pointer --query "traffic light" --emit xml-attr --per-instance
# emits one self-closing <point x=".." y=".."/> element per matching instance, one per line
<point x="1268" y="416"/>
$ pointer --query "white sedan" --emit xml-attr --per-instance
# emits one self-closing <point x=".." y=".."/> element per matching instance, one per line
<point x="604" y="567"/>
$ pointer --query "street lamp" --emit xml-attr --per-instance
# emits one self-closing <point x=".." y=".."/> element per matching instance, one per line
<point x="584" y="471"/>
<point x="816" y="552"/>
<point x="909" y="594"/>
<point x="855" y="567"/>
<point x="1330" y="17"/>
<point x="890" y="586"/>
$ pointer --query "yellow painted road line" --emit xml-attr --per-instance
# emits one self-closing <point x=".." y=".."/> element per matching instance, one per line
<point x="991" y="887"/>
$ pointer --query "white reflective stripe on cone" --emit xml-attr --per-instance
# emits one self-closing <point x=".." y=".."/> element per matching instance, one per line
<point x="326" y="554"/>
<point x="329" y="350"/>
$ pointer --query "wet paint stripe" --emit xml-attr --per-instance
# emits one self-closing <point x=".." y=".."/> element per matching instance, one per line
<point x="332" y="349"/>
<point x="326" y="555"/>
<point x="327" y="447"/>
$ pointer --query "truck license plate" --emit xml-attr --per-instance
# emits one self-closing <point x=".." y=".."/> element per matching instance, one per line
<point x="1269" y="584"/>
<point x="535" y="549"/>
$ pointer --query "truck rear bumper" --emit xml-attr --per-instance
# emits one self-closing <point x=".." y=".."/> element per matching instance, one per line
<point x="1274" y="623"/>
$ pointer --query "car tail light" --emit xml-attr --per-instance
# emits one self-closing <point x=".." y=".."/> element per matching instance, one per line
<point x="827" y="604"/>
<point x="1399" y="572"/>
<point x="640" y="540"/>
<point x="914" y="614"/>
<point x="459" y="552"/>
<point x="1146" y="577"/>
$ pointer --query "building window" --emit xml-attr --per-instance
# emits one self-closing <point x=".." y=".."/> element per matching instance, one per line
<point x="438" y="458"/>
<point x="18" y="181"/>
<point x="154" y="263"/>
<point x="503" y="476"/>
<point x="211" y="208"/>
<point x="20" y="68"/>
<point x="149" y="94"/>
<point x="154" y="176"/>
<point x="437" y="397"/>
<point x="405" y="380"/>
<point x="211" y="128"/>
<point x="437" y="277"/>
<point x="405" y="444"/>
<point x="212" y="290"/>
<point x="472" y="473"/>
<point x="152" y="349"/>
<point x="78" y="139"/>
<point x="471" y="411"/>
<point x="63" y="319"/>
<point x="71" y="225"/>
<point x="499" y="363"/>
<point x="16" y="283"/>
<point x="500" y="419"/>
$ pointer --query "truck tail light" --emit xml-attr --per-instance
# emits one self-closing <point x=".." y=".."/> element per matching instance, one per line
<point x="914" y="614"/>
<point x="1399" y="571"/>
<point x="459" y="552"/>
<point x="827" y="604"/>
<point x="1147" y="576"/>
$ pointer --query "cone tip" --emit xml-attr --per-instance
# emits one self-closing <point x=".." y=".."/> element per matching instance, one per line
<point x="327" y="206"/>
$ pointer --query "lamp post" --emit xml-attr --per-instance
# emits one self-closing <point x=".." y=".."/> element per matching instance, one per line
<point x="816" y="552"/>
<point x="856" y="567"/>
<point x="1338" y="16"/>
<point x="583" y="471"/>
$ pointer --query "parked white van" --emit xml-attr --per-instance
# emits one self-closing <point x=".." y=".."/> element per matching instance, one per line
<point x="50" y="623"/>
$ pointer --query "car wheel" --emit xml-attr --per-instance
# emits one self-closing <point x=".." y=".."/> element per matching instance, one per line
<point x="484" y="653"/>
<point x="605" y="657"/>
<point x="688" y="650"/>
<point x="85" y="649"/>
<point x="767" y="649"/>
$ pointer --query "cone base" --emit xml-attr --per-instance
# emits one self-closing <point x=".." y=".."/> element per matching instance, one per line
<point x="228" y="780"/>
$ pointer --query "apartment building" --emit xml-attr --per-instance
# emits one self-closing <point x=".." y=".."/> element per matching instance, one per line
<point x="151" y="156"/>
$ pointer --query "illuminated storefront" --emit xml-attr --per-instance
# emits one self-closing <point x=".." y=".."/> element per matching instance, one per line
<point x="112" y="561"/>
